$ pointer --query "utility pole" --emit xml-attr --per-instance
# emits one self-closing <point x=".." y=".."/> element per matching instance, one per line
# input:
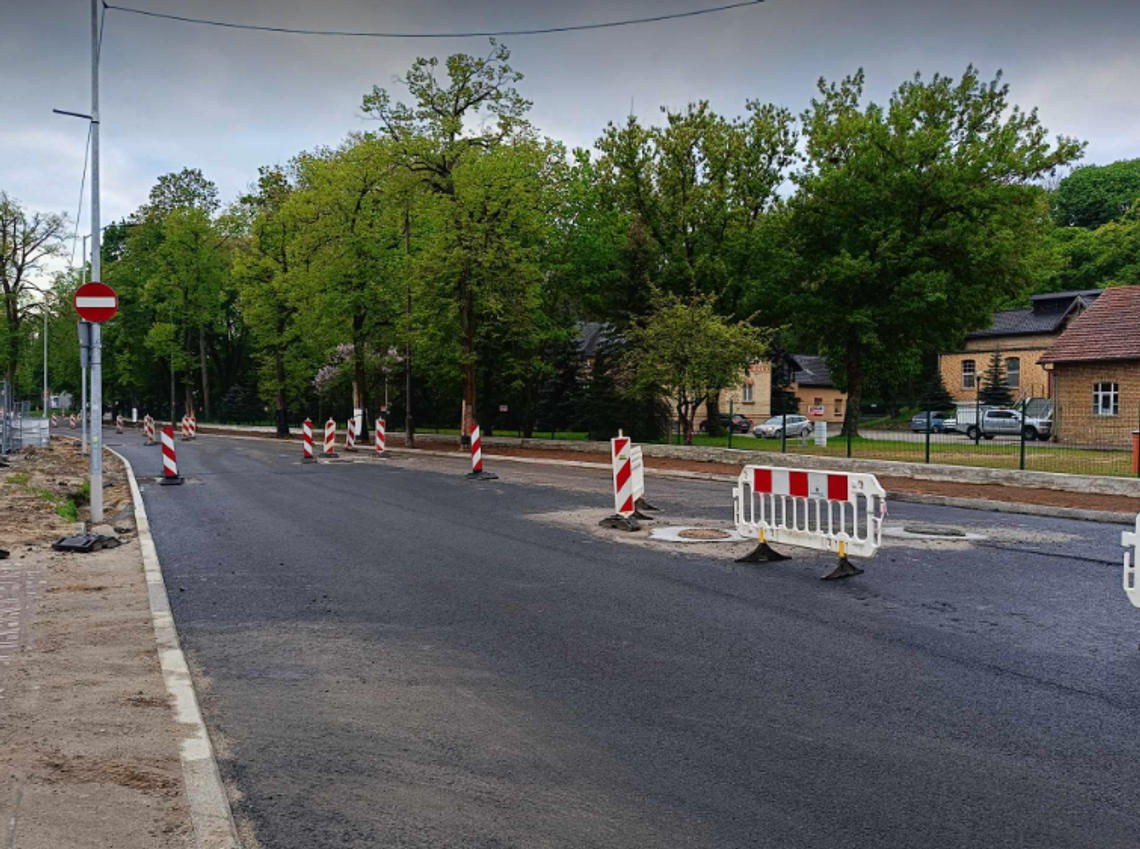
<point x="84" y="360"/>
<point x="96" y="470"/>
<point x="409" y="423"/>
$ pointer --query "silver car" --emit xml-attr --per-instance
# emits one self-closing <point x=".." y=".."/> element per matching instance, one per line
<point x="773" y="428"/>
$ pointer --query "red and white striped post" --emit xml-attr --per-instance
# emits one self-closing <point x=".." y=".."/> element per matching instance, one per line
<point x="118" y="424"/>
<point x="307" y="433"/>
<point x="350" y="436"/>
<point x="170" y="476"/>
<point x="185" y="429"/>
<point x="148" y="430"/>
<point x="71" y="421"/>
<point x="193" y="420"/>
<point x="381" y="439"/>
<point x="54" y="420"/>
<point x="330" y="438"/>
<point x="477" y="472"/>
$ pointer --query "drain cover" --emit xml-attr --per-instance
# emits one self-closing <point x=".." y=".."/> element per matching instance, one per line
<point x="691" y="534"/>
<point x="933" y="531"/>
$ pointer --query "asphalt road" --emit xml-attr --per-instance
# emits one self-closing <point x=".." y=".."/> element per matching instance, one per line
<point x="391" y="655"/>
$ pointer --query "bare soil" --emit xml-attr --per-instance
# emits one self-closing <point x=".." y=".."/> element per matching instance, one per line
<point x="89" y="749"/>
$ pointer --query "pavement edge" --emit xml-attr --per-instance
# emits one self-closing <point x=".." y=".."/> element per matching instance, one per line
<point x="210" y="812"/>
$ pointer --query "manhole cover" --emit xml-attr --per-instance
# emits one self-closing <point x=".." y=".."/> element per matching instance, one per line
<point x="931" y="533"/>
<point x="703" y="534"/>
<point x="691" y="534"/>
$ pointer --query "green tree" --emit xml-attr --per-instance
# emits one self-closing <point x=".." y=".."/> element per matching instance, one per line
<point x="995" y="391"/>
<point x="27" y="242"/>
<point x="684" y="350"/>
<point x="1094" y="195"/>
<point x="912" y="221"/>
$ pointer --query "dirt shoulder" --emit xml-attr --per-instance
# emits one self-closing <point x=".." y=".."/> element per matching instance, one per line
<point x="90" y="753"/>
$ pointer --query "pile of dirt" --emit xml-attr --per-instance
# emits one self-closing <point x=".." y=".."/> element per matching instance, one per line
<point x="43" y="494"/>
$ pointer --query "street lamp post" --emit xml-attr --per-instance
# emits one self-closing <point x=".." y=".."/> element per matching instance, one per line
<point x="96" y="471"/>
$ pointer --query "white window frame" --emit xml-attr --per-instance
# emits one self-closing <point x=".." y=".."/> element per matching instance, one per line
<point x="1106" y="398"/>
<point x="1013" y="375"/>
<point x="747" y="395"/>
<point x="969" y="377"/>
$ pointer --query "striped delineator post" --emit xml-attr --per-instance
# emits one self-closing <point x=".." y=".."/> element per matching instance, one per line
<point x="629" y="484"/>
<point x="193" y="420"/>
<point x="71" y="421"/>
<point x="477" y="472"/>
<point x="54" y="420"/>
<point x="307" y="434"/>
<point x="330" y="438"/>
<point x="350" y="435"/>
<point x="185" y="429"/>
<point x="148" y="430"/>
<point x="170" y="476"/>
<point x="118" y="424"/>
<point x="381" y="439"/>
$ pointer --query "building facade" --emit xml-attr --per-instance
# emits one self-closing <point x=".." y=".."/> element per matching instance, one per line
<point x="1021" y="337"/>
<point x="819" y="398"/>
<point x="1094" y="370"/>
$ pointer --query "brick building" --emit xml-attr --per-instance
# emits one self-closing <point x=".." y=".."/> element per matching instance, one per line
<point x="1094" y="369"/>
<point x="820" y="399"/>
<point x="1022" y="336"/>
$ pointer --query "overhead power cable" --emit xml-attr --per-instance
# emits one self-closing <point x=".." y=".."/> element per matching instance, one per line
<point x="489" y="34"/>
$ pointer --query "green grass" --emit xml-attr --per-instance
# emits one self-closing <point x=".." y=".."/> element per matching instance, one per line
<point x="19" y="478"/>
<point x="68" y="510"/>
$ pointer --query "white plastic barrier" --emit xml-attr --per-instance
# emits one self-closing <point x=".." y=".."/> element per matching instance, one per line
<point x="1131" y="539"/>
<point x="827" y="511"/>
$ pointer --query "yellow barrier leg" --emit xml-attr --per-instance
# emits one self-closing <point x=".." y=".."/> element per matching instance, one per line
<point x="763" y="553"/>
<point x="845" y="568"/>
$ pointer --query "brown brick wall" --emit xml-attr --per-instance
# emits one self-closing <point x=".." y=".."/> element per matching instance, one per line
<point x="833" y="401"/>
<point x="1074" y="420"/>
<point x="1034" y="377"/>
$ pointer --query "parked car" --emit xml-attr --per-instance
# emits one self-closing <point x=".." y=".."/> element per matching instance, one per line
<point x="937" y="422"/>
<point x="1010" y="423"/>
<point x="797" y="426"/>
<point x="734" y="422"/>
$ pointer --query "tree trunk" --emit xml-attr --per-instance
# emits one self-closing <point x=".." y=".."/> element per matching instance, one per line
<point x="467" y="316"/>
<point x="12" y="312"/>
<point x="205" y="374"/>
<point x="279" y="393"/>
<point x="854" y="389"/>
<point x="188" y="385"/>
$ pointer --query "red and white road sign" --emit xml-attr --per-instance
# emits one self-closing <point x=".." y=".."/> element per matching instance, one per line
<point x="96" y="302"/>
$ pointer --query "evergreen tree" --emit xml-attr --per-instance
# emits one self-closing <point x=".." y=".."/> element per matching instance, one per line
<point x="936" y="397"/>
<point x="995" y="390"/>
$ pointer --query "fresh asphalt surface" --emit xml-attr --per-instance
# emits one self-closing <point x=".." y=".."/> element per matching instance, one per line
<point x="391" y="655"/>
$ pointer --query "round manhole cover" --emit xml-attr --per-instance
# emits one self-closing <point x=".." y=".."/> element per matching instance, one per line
<point x="691" y="534"/>
<point x="933" y="531"/>
<point x="704" y="534"/>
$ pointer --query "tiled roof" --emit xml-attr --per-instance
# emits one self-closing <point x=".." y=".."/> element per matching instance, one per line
<point x="1018" y="322"/>
<point x="1107" y="330"/>
<point x="813" y="371"/>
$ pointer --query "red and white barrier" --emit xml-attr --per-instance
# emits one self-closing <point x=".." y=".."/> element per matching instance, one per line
<point x="350" y="435"/>
<point x="193" y="421"/>
<point x="71" y="421"/>
<point x="477" y="456"/>
<point x="629" y="484"/>
<point x="307" y="433"/>
<point x="330" y="438"/>
<point x="118" y="424"/>
<point x="1131" y="539"/>
<point x="381" y="437"/>
<point x="826" y="511"/>
<point x="148" y="430"/>
<point x="185" y="429"/>
<point x="170" y="476"/>
<point x="54" y="420"/>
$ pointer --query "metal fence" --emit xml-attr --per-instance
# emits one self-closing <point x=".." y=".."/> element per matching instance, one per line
<point x="18" y="428"/>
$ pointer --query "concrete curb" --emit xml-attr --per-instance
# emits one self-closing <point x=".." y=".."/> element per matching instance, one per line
<point x="210" y="811"/>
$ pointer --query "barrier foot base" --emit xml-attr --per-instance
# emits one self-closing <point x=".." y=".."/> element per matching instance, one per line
<point x="481" y="476"/>
<point x="330" y="455"/>
<point x="171" y="481"/>
<point x="637" y="514"/>
<point x="844" y="569"/>
<point x="763" y="553"/>
<point x="642" y="504"/>
<point x="384" y="456"/>
<point x="308" y="459"/>
<point x="618" y="522"/>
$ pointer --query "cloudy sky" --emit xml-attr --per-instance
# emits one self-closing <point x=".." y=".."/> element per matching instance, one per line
<point x="227" y="101"/>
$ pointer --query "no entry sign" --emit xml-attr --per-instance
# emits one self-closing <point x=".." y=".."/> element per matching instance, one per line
<point x="96" y="302"/>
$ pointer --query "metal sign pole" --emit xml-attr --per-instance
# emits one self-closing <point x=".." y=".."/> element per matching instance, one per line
<point x="96" y="274"/>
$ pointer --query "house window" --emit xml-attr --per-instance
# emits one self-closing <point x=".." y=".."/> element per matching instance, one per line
<point x="839" y="406"/>
<point x="1013" y="372"/>
<point x="969" y="369"/>
<point x="818" y="402"/>
<point x="748" y="393"/>
<point x="1106" y="399"/>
